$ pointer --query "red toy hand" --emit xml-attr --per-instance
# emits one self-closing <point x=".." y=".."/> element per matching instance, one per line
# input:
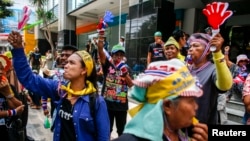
<point x="26" y="13"/>
<point x="216" y="14"/>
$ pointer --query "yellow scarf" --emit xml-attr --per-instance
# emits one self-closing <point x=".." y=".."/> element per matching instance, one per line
<point x="88" y="90"/>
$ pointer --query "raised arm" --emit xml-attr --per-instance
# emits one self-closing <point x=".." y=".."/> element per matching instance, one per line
<point x="224" y="78"/>
<point x="101" y="53"/>
<point x="28" y="79"/>
<point x="226" y="52"/>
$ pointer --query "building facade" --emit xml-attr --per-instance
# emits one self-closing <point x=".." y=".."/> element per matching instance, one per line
<point x="137" y="20"/>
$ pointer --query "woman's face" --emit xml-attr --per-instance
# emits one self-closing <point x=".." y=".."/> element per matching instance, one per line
<point x="180" y="113"/>
<point x="196" y="50"/>
<point x="73" y="68"/>
<point x="171" y="52"/>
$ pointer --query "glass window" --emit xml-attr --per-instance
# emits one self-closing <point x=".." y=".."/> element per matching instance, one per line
<point x="55" y="2"/>
<point x="74" y="4"/>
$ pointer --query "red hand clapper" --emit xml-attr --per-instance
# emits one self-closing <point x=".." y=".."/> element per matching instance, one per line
<point x="217" y="13"/>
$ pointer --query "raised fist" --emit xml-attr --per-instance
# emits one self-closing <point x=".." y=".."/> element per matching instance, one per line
<point x="217" y="13"/>
<point x="227" y="48"/>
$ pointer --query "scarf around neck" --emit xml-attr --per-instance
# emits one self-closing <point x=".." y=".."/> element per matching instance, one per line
<point x="87" y="90"/>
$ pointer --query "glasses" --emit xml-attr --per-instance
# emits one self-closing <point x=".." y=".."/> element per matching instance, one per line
<point x="64" y="54"/>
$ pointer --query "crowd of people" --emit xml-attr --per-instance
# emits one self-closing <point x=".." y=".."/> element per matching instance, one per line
<point x="182" y="88"/>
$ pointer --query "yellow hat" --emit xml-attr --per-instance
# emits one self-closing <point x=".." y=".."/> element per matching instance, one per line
<point x="172" y="41"/>
<point x="87" y="59"/>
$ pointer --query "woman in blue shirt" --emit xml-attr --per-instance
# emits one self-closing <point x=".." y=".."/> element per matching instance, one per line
<point x="74" y="120"/>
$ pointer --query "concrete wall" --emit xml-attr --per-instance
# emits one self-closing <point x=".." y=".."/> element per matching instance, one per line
<point x="239" y="20"/>
<point x="189" y="20"/>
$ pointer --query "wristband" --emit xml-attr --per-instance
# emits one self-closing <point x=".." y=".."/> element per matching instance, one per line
<point x="9" y="113"/>
<point x="14" y="112"/>
<point x="226" y="52"/>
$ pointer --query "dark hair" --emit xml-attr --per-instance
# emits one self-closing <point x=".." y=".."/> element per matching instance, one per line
<point x="177" y="34"/>
<point x="70" y="47"/>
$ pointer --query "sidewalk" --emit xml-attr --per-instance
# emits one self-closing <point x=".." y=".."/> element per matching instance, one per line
<point x="36" y="130"/>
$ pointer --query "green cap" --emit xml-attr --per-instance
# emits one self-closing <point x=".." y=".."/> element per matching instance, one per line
<point x="158" y="33"/>
<point x="117" y="48"/>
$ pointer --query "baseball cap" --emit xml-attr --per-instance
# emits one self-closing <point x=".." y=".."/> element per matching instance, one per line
<point x="117" y="48"/>
<point x="158" y="33"/>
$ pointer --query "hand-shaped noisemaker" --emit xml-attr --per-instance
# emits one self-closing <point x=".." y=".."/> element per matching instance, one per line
<point x="102" y="25"/>
<point x="25" y="17"/>
<point x="216" y="14"/>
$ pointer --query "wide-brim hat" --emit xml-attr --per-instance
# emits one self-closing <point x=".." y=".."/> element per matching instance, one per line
<point x="5" y="61"/>
<point x="168" y="79"/>
<point x="161" y="80"/>
<point x="242" y="57"/>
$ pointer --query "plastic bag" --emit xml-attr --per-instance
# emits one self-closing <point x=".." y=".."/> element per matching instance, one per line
<point x="46" y="123"/>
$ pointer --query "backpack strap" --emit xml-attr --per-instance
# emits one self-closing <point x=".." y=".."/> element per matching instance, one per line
<point x="93" y="99"/>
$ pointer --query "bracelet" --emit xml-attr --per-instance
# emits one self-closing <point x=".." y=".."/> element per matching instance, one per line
<point x="226" y="52"/>
<point x="14" y="112"/>
<point x="11" y="112"/>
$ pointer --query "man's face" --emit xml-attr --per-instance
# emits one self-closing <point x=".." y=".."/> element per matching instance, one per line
<point x="157" y="38"/>
<point x="118" y="56"/>
<point x="36" y="50"/>
<point x="171" y="52"/>
<point x="64" y="56"/>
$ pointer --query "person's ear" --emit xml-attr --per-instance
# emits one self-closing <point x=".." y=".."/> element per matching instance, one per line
<point x="167" y="106"/>
<point x="84" y="72"/>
